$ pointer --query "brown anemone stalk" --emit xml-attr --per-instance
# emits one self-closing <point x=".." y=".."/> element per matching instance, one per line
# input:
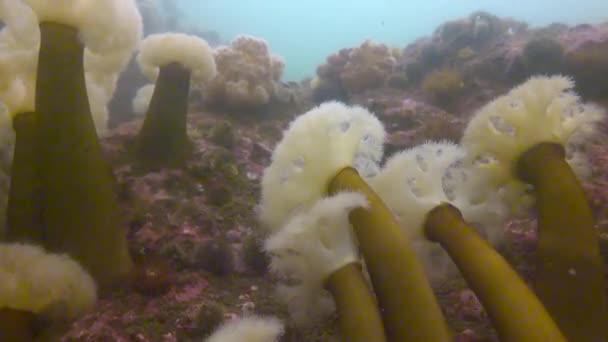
<point x="358" y="316"/>
<point x="409" y="309"/>
<point x="570" y="278"/>
<point x="24" y="221"/>
<point x="16" y="325"/>
<point x="78" y="205"/>
<point x="515" y="311"/>
<point x="163" y="139"/>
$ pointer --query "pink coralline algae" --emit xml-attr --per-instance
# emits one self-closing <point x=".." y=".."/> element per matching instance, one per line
<point x="469" y="307"/>
<point x="581" y="35"/>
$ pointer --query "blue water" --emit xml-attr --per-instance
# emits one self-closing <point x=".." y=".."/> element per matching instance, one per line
<point x="305" y="32"/>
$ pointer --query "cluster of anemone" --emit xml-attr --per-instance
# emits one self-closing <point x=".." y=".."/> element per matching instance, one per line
<point x="61" y="196"/>
<point x="335" y="219"/>
<point x="60" y="68"/>
<point x="63" y="237"/>
<point x="61" y="64"/>
<point x="248" y="74"/>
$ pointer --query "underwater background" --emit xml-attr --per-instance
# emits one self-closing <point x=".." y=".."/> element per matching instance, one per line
<point x="305" y="32"/>
<point x="174" y="170"/>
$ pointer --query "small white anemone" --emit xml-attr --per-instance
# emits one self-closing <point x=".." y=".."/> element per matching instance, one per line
<point x="19" y="41"/>
<point x="250" y="329"/>
<point x="13" y="94"/>
<point x="105" y="26"/>
<point x="142" y="98"/>
<point x="486" y="211"/>
<point x="109" y="39"/>
<point x="192" y="52"/>
<point x="308" y="249"/>
<point x="410" y="183"/>
<point x="315" y="147"/>
<point x="543" y="109"/>
<point x="22" y="23"/>
<point x="50" y="285"/>
<point x="415" y="181"/>
<point x="98" y="100"/>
